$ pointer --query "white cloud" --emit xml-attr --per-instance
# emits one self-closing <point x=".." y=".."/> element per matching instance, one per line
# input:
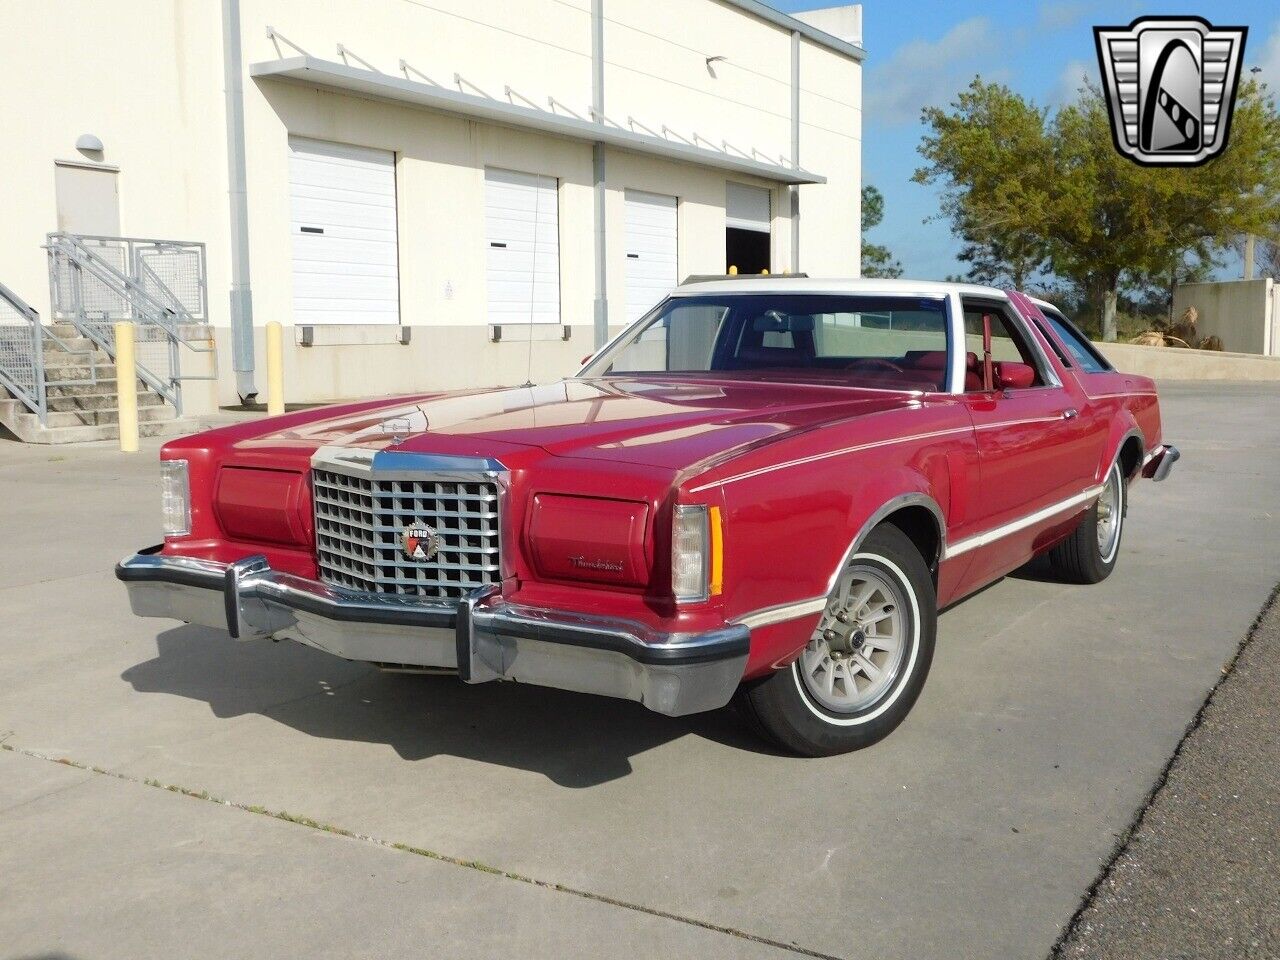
<point x="1071" y="80"/>
<point x="1060" y="14"/>
<point x="930" y="72"/>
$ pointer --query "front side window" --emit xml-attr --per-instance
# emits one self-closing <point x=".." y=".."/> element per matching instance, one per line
<point x="1083" y="353"/>
<point x="1008" y="344"/>
<point x="886" y="342"/>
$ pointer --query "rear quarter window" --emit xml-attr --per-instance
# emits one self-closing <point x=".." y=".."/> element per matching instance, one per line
<point x="1082" y="352"/>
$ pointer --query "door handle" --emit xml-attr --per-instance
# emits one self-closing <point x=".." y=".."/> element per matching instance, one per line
<point x="1070" y="413"/>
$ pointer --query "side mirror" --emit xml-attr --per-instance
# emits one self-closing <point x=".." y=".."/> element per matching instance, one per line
<point x="1010" y="375"/>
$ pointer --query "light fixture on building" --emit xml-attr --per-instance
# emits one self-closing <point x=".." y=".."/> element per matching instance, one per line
<point x="88" y="143"/>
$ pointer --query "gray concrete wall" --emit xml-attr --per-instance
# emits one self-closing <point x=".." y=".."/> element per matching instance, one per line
<point x="1238" y="311"/>
<point x="1177" y="363"/>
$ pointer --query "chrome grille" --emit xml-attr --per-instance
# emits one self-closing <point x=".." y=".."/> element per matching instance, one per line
<point x="360" y="520"/>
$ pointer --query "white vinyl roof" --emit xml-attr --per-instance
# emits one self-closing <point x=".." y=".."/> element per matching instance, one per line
<point x="780" y="283"/>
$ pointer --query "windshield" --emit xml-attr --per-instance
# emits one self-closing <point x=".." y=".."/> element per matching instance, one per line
<point x="896" y="343"/>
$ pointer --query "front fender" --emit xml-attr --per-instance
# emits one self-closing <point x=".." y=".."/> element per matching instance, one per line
<point x="795" y="584"/>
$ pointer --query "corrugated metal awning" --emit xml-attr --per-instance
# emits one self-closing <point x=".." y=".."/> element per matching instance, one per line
<point x="328" y="75"/>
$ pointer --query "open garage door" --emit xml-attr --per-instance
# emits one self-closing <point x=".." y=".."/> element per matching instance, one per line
<point x="343" y="226"/>
<point x="651" y="250"/>
<point x="747" y="224"/>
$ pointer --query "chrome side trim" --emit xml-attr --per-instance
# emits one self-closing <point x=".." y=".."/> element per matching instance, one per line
<point x="891" y="441"/>
<point x="1127" y="393"/>
<point x="1014" y="526"/>
<point x="782" y="613"/>
<point x="1018" y="423"/>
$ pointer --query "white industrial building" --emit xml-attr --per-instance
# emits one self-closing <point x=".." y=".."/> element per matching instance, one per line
<point x="415" y="190"/>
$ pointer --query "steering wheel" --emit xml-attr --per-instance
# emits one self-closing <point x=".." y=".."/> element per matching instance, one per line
<point x="875" y="363"/>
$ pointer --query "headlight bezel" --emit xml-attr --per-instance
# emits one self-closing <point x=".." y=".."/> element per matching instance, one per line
<point x="175" y="498"/>
<point x="697" y="553"/>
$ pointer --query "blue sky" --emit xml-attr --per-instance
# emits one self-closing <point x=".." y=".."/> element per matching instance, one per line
<point x="924" y="51"/>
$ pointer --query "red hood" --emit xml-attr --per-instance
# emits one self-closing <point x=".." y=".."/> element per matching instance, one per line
<point x="659" y="422"/>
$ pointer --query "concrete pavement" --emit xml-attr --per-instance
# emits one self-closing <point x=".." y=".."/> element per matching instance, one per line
<point x="973" y="831"/>
<point x="1200" y="875"/>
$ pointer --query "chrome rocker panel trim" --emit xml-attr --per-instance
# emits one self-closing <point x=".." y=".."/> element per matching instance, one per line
<point x="483" y="637"/>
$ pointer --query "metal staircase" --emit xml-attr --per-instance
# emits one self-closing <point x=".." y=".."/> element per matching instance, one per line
<point x="60" y="378"/>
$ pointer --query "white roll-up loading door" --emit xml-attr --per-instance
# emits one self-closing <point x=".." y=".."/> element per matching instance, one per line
<point x="747" y="208"/>
<point x="343" y="227"/>
<point x="522" y="232"/>
<point x="650" y="250"/>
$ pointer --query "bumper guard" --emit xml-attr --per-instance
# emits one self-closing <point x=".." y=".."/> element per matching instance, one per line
<point x="1160" y="462"/>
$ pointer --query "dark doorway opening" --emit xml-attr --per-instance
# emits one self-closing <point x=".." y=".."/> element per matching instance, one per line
<point x="748" y="250"/>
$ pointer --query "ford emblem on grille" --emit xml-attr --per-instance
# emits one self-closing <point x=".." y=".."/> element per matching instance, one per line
<point x="419" y="543"/>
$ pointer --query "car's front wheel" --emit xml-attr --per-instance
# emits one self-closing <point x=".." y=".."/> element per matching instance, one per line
<point x="867" y="659"/>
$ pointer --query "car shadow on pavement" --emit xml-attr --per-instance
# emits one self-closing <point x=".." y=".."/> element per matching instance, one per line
<point x="1037" y="569"/>
<point x="574" y="740"/>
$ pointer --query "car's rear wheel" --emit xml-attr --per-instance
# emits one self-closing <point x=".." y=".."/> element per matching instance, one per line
<point x="867" y="659"/>
<point x="1089" y="554"/>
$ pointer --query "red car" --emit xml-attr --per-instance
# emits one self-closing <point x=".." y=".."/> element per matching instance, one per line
<point x="763" y="488"/>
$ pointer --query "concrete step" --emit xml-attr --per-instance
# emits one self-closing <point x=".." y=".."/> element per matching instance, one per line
<point x="72" y="342"/>
<point x="54" y="388"/>
<point x="58" y="359"/>
<point x="99" y="401"/>
<point x="63" y="328"/>
<point x="63" y="373"/>
<point x="98" y="417"/>
<point x="85" y="433"/>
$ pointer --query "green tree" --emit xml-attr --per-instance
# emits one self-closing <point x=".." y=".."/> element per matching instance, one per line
<point x="1026" y="190"/>
<point x="877" y="261"/>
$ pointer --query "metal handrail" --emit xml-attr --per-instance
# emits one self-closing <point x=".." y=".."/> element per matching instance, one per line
<point x="136" y="250"/>
<point x="133" y="292"/>
<point x="22" y="372"/>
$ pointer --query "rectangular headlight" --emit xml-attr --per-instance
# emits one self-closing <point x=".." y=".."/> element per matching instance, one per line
<point x="175" y="498"/>
<point x="696" y="552"/>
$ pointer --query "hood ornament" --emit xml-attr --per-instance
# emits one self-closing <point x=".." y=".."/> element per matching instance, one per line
<point x="398" y="428"/>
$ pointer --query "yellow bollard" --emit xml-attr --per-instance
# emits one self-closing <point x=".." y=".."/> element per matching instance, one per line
<point x="764" y="272"/>
<point x="275" y="369"/>
<point x="127" y="387"/>
<point x="733" y="271"/>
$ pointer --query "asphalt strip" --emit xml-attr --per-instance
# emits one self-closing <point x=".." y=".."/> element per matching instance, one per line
<point x="1197" y="874"/>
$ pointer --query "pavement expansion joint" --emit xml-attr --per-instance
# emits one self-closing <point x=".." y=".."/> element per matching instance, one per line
<point x="313" y="824"/>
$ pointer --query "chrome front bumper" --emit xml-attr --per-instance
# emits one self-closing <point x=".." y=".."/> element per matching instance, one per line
<point x="483" y="637"/>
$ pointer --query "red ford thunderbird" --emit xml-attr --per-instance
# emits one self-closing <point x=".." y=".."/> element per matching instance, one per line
<point x="762" y="490"/>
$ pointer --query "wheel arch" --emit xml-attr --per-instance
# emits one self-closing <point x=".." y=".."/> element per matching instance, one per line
<point x="1127" y="446"/>
<point x="1131" y="455"/>
<point x="920" y="519"/>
